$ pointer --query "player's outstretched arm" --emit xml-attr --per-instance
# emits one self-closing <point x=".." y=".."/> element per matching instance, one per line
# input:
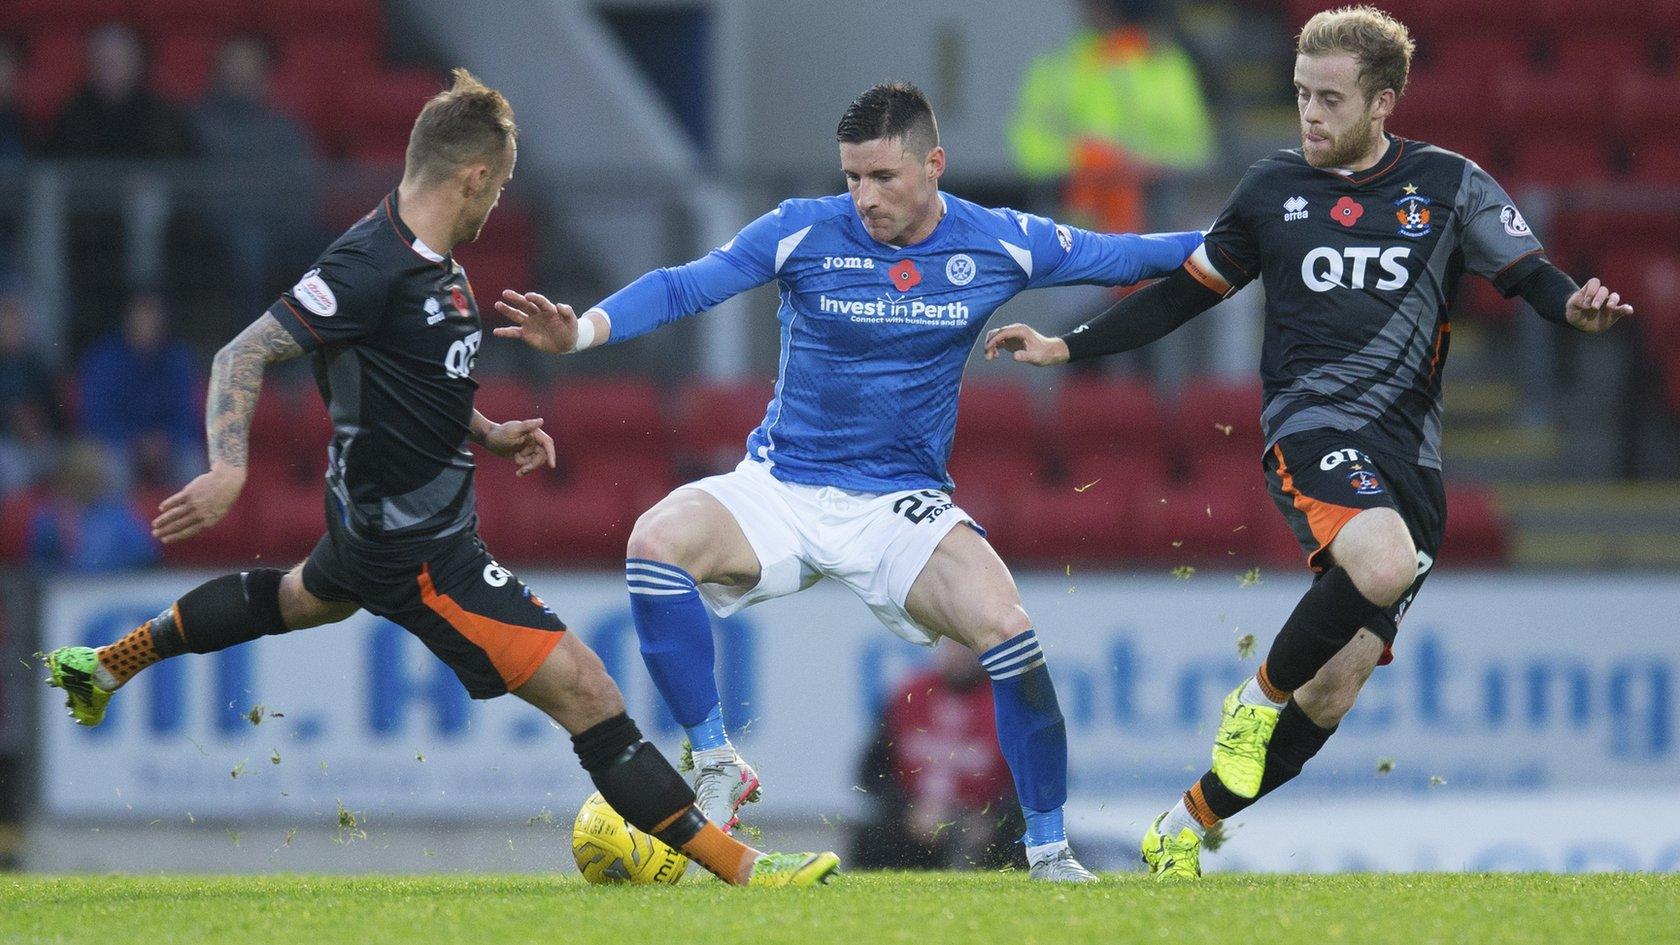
<point x="550" y="327"/>
<point x="235" y="381"/>
<point x="1147" y="315"/>
<point x="522" y="441"/>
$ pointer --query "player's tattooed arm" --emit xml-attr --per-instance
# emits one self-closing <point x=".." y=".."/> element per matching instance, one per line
<point x="235" y="382"/>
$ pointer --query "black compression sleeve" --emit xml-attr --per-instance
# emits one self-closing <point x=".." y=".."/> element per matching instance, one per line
<point x="1548" y="289"/>
<point x="1149" y="314"/>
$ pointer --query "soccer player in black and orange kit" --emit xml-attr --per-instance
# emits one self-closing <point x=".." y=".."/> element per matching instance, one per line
<point x="1360" y="237"/>
<point x="390" y="319"/>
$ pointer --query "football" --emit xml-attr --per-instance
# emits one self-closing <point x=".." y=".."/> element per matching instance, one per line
<point x="608" y="850"/>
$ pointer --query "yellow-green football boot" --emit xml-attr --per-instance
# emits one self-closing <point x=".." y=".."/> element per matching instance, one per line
<point x="793" y="869"/>
<point x="71" y="669"/>
<point x="1239" y="748"/>
<point x="1178" y="857"/>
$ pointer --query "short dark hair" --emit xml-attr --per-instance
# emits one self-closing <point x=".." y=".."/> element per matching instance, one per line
<point x="466" y="123"/>
<point x="891" y="110"/>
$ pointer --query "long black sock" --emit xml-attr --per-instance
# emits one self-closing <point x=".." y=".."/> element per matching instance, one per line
<point x="1295" y="740"/>
<point x="637" y="780"/>
<point x="1328" y="616"/>
<point x="227" y="611"/>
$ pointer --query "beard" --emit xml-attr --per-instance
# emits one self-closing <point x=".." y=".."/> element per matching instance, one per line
<point x="1345" y="149"/>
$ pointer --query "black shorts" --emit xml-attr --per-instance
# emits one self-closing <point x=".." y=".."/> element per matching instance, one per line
<point x="470" y="611"/>
<point x="1321" y="479"/>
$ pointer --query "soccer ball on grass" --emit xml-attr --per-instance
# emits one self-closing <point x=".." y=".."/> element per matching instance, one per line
<point x="608" y="850"/>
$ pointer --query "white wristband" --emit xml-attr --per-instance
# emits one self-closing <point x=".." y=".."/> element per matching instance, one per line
<point x="585" y="333"/>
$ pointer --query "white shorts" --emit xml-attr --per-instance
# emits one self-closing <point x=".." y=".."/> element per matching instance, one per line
<point x="875" y="543"/>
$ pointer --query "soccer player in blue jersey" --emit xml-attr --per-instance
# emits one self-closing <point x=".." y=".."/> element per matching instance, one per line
<point x="884" y="290"/>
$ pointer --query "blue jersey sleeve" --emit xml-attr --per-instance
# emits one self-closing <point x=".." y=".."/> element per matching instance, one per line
<point x="665" y="295"/>
<point x="1067" y="255"/>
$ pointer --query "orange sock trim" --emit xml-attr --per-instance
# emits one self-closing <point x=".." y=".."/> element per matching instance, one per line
<point x="728" y="858"/>
<point x="129" y="655"/>
<point x="1198" y="806"/>
<point x="1272" y="692"/>
<point x="669" y="821"/>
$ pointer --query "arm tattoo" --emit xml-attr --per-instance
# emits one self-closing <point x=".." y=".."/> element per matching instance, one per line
<point x="235" y="381"/>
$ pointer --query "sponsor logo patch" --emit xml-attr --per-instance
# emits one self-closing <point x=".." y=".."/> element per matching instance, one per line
<point x="434" y="311"/>
<point x="1513" y="221"/>
<point x="1295" y="208"/>
<point x="495" y="575"/>
<point x="313" y="293"/>
<point x="1064" y="236"/>
<point x="1347" y="211"/>
<point x="959" y="269"/>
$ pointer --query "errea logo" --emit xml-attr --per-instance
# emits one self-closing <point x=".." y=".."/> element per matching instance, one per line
<point x="1295" y="208"/>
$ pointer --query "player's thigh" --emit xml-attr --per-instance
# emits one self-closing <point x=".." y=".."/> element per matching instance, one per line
<point x="965" y="592"/>
<point x="571" y="685"/>
<point x="475" y="615"/>
<point x="693" y="530"/>
<point x="1375" y="547"/>
<point x="1328" y="485"/>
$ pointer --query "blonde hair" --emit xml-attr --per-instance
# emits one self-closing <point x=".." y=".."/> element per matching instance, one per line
<point x="466" y="123"/>
<point x="1381" y="44"/>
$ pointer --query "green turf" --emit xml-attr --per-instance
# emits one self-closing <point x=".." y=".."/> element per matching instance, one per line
<point x="927" y="909"/>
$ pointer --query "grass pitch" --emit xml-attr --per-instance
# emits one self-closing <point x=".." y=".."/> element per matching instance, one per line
<point x="929" y="908"/>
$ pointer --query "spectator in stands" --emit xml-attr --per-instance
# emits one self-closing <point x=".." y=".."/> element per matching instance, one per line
<point x="237" y="124"/>
<point x="29" y="412"/>
<point x="11" y="116"/>
<point x="941" y="791"/>
<point x="1114" y="109"/>
<point x="87" y="526"/>
<point x="139" y="396"/>
<point x="114" y="114"/>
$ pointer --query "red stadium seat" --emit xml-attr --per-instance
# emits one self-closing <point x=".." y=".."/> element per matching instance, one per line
<point x="510" y="398"/>
<point x="1475" y="534"/>
<point x="1647" y="100"/>
<point x="622" y="416"/>
<point x="68" y="15"/>
<point x="289" y="518"/>
<point x="51" y="74"/>
<point x="989" y="488"/>
<point x="381" y="108"/>
<point x="183" y="65"/>
<point x="1560" y="162"/>
<point x="161" y="19"/>
<point x="1557" y="107"/>
<point x="1094" y="413"/>
<point x="996" y="417"/>
<point x="17" y="512"/>
<point x="319" y="19"/>
<point x="1656" y="160"/>
<point x="1217" y="417"/>
<point x="714" y="420"/>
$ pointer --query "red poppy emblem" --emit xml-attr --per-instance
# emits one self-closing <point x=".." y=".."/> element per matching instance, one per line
<point x="459" y="298"/>
<point x="905" y="275"/>
<point x="1347" y="211"/>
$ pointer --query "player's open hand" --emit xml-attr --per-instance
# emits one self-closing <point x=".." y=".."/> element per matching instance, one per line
<point x="1594" y="308"/>
<point x="1029" y="346"/>
<point x="201" y="504"/>
<point x="522" y="441"/>
<point x="538" y="322"/>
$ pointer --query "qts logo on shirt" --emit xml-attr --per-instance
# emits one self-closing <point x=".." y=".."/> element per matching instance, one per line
<point x="905" y="276"/>
<point x="1351" y="267"/>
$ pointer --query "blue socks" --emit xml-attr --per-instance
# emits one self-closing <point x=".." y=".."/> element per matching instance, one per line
<point x="676" y="639"/>
<point x="1031" y="733"/>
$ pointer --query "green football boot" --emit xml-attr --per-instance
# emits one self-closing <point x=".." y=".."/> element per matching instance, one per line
<point x="72" y="671"/>
<point x="793" y="869"/>
<point x="1177" y="857"/>
<point x="1239" y="748"/>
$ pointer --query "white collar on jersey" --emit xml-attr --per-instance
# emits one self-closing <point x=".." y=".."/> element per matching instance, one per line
<point x="426" y="251"/>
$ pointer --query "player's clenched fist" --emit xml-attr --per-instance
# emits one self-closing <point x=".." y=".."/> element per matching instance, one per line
<point x="1029" y="346"/>
<point x="538" y="322"/>
<point x="199" y="505"/>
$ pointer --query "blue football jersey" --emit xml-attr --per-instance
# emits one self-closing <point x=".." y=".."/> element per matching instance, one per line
<point x="874" y="337"/>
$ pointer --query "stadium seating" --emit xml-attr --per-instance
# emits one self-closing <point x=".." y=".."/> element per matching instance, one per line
<point x="713" y="421"/>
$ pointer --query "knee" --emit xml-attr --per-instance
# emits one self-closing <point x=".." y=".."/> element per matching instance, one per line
<point x="1384" y="566"/>
<point x="1002" y="624"/>
<point x="657" y="536"/>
